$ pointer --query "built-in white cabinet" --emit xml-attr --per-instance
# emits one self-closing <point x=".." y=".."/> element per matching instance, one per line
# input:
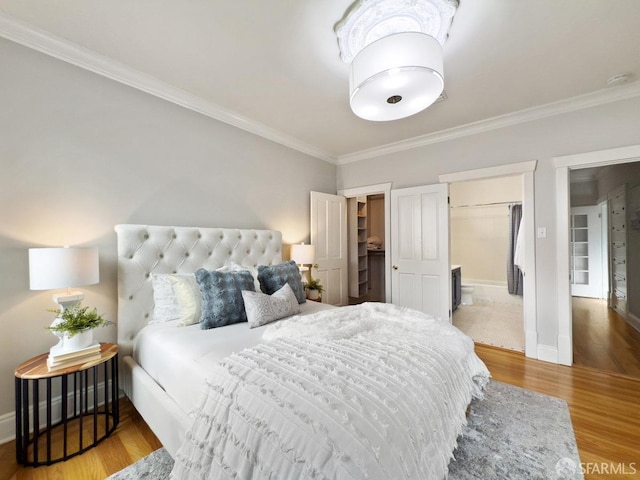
<point x="618" y="250"/>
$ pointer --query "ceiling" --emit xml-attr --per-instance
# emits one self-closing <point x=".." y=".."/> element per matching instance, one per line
<point x="273" y="67"/>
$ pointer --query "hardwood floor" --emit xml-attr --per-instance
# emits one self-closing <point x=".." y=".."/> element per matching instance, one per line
<point x="131" y="441"/>
<point x="603" y="339"/>
<point x="603" y="406"/>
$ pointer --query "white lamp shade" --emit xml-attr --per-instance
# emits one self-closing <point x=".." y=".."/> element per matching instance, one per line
<point x="303" y="254"/>
<point x="51" y="268"/>
<point x="396" y="76"/>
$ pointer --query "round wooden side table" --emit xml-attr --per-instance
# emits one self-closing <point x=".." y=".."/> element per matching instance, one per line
<point x="77" y="410"/>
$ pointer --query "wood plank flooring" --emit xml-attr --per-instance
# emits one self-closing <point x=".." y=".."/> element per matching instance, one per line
<point x="603" y="339"/>
<point x="604" y="410"/>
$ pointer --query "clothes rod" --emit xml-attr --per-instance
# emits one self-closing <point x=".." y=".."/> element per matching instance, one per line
<point x="487" y="204"/>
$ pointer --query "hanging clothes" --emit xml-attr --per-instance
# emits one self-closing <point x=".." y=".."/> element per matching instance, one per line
<point x="515" y="280"/>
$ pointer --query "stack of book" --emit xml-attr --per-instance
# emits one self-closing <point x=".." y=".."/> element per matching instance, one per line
<point x="59" y="359"/>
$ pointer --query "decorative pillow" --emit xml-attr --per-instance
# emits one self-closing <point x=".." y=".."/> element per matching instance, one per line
<point x="187" y="291"/>
<point x="166" y="306"/>
<point x="236" y="267"/>
<point x="262" y="308"/>
<point x="273" y="278"/>
<point x="222" y="302"/>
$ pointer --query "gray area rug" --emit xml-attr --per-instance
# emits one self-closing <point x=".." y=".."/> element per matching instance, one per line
<point x="512" y="434"/>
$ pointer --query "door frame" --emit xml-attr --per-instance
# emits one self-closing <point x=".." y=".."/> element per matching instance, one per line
<point x="384" y="188"/>
<point x="526" y="170"/>
<point x="563" y="164"/>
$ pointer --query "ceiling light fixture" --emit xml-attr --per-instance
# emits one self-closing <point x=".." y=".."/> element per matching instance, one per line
<point x="395" y="51"/>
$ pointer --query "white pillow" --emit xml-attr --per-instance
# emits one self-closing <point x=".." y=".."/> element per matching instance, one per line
<point x="176" y="297"/>
<point x="262" y="308"/>
<point x="166" y="307"/>
<point x="187" y="291"/>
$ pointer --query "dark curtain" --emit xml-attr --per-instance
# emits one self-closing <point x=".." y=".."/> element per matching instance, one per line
<point x="514" y="275"/>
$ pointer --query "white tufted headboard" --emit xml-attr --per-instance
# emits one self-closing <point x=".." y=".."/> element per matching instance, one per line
<point x="144" y="249"/>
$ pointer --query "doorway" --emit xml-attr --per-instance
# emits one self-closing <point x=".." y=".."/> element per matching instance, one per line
<point x="367" y="248"/>
<point x="623" y="298"/>
<point x="484" y="222"/>
<point x="602" y="264"/>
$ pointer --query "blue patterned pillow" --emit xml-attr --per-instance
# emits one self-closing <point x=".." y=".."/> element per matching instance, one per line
<point x="222" y="302"/>
<point x="273" y="277"/>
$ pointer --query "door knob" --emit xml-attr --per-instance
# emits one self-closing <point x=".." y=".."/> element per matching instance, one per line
<point x="395" y="267"/>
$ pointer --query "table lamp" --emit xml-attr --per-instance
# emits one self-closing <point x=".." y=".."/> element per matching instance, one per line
<point x="303" y="255"/>
<point x="57" y="268"/>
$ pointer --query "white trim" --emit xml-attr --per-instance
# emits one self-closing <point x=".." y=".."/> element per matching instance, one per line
<point x="580" y="102"/>
<point x="384" y="188"/>
<point x="633" y="321"/>
<point x="25" y="34"/>
<point x="530" y="297"/>
<point x="547" y="353"/>
<point x="610" y="156"/>
<point x="489" y="172"/>
<point x="599" y="158"/>
<point x="565" y="330"/>
<point x="526" y="169"/>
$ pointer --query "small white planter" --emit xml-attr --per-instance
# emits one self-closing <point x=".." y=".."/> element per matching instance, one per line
<point x="313" y="294"/>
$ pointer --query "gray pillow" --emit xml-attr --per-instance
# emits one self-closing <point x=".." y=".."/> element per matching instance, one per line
<point x="273" y="277"/>
<point x="222" y="302"/>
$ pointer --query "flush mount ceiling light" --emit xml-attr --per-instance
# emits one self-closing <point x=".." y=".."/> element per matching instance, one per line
<point x="395" y="51"/>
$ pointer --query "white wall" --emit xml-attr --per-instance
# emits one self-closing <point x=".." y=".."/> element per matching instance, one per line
<point x="80" y="153"/>
<point x="479" y="230"/>
<point x="597" y="128"/>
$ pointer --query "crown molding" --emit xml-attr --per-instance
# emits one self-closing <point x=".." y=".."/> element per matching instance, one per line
<point x="27" y="35"/>
<point x="588" y="100"/>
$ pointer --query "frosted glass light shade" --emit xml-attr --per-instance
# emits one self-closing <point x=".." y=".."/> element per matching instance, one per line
<point x="51" y="268"/>
<point x="303" y="254"/>
<point x="396" y="76"/>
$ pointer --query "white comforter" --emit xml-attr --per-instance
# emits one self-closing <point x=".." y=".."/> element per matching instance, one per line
<point x="372" y="391"/>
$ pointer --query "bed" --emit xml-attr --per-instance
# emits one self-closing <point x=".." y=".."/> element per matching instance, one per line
<point x="351" y="392"/>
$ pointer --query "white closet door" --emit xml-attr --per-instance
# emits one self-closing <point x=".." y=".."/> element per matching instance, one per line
<point x="329" y="235"/>
<point x="421" y="275"/>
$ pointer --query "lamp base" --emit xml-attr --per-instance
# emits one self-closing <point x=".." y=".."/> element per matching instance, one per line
<point x="66" y="300"/>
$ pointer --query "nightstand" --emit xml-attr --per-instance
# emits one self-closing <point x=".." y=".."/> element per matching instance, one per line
<point x="63" y="413"/>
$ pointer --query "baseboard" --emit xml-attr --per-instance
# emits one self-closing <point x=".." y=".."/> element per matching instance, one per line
<point x="633" y="321"/>
<point x="547" y="353"/>
<point x="8" y="420"/>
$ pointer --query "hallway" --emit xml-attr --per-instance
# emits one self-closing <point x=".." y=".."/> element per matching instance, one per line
<point x="602" y="339"/>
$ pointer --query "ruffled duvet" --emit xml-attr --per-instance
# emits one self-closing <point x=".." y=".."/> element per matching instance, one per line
<point x="372" y="391"/>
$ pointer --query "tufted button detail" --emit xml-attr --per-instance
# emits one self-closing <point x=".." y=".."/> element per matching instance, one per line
<point x="174" y="236"/>
<point x="199" y="235"/>
<point x="161" y="255"/>
<point x="239" y="237"/>
<point x="130" y="337"/>
<point x="221" y="236"/>
<point x="174" y="272"/>
<point x="145" y="236"/>
<point x="186" y="254"/>
<point x="248" y="252"/>
<point x="229" y="253"/>
<point x="146" y="315"/>
<point x="210" y="253"/>
<point x="146" y="275"/>
<point x="130" y="256"/>
<point x="130" y="297"/>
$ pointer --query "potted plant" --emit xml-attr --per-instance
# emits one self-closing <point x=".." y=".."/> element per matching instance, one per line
<point x="74" y="325"/>
<point x="314" y="289"/>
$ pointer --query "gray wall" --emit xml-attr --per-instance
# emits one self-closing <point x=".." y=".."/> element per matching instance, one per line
<point x="80" y="153"/>
<point x="597" y="128"/>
